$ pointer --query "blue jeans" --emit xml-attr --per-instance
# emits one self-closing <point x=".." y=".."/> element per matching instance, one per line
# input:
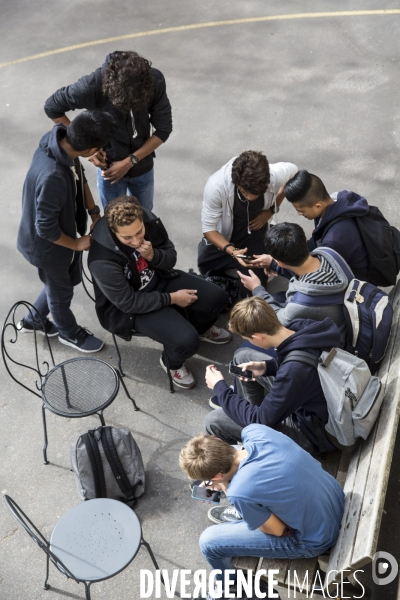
<point x="142" y="187"/>
<point x="219" y="543"/>
<point x="56" y="297"/>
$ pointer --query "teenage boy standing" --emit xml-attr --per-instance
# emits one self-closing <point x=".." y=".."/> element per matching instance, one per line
<point x="134" y="93"/>
<point x="55" y="202"/>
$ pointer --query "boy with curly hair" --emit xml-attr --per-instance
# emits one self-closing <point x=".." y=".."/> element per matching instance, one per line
<point x="134" y="93"/>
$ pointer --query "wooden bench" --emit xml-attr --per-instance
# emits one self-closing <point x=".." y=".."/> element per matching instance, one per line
<point x="364" y="476"/>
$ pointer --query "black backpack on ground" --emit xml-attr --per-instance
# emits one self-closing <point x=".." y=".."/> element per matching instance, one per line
<point x="382" y="242"/>
<point x="107" y="463"/>
<point x="229" y="284"/>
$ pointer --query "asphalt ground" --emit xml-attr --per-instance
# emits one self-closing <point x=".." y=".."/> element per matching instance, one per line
<point x="319" y="91"/>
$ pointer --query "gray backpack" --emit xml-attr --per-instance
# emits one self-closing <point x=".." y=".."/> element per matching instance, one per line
<point x="353" y="395"/>
<point x="107" y="463"/>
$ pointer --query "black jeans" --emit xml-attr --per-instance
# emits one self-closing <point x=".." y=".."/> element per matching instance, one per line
<point x="56" y="297"/>
<point x="169" y="326"/>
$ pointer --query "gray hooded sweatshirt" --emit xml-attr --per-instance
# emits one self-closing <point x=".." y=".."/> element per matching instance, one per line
<point x="329" y="279"/>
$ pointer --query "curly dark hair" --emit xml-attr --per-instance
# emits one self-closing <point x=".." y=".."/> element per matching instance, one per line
<point x="122" y="211"/>
<point x="128" y="81"/>
<point x="250" y="171"/>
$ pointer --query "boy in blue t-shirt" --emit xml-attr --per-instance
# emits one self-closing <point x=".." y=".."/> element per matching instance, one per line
<point x="291" y="507"/>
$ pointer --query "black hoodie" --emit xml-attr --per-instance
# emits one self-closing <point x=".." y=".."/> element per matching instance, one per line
<point x="52" y="199"/>
<point x="344" y="236"/>
<point x="116" y="280"/>
<point x="296" y="389"/>
<point x="86" y="93"/>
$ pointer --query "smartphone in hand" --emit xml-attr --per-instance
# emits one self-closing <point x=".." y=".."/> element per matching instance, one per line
<point x="246" y="257"/>
<point x="235" y="370"/>
<point x="205" y="494"/>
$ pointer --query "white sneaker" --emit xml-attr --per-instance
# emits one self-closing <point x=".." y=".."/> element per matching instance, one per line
<point x="224" y="514"/>
<point x="216" y="335"/>
<point x="181" y="377"/>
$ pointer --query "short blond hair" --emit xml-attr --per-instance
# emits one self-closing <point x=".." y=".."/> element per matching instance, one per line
<point x="204" y="456"/>
<point x="253" y="315"/>
<point x="122" y="211"/>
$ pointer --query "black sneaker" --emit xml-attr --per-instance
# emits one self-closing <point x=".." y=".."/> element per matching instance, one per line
<point x="49" y="327"/>
<point x="224" y="514"/>
<point x="84" y="341"/>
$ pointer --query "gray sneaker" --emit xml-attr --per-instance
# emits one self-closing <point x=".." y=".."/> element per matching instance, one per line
<point x="84" y="341"/>
<point x="224" y="514"/>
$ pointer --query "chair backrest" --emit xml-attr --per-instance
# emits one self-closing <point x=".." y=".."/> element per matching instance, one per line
<point x="42" y="358"/>
<point x="36" y="535"/>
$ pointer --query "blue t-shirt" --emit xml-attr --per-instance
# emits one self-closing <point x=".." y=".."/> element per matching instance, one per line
<point x="281" y="478"/>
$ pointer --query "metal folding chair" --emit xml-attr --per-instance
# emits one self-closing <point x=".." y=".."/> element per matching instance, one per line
<point x="93" y="541"/>
<point x="74" y="388"/>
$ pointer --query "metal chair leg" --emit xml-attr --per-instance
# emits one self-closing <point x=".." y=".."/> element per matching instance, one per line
<point x="135" y="406"/>
<point x="46" y="442"/>
<point x="46" y="584"/>
<point x="150" y="551"/>
<point x="87" y="590"/>
<point x="153" y="558"/>
<point x="102" y="418"/>
<point x="119" y="356"/>
<point x="166" y="362"/>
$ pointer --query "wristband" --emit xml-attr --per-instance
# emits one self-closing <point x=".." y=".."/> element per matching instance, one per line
<point x="227" y="246"/>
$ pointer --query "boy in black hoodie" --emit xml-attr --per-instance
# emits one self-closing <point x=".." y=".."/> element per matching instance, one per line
<point x="134" y="93"/>
<point x="55" y="203"/>
<point x="309" y="197"/>
<point x="288" y="398"/>
<point x="138" y="290"/>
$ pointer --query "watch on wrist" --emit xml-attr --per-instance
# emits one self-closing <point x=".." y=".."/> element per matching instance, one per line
<point x="134" y="159"/>
<point x="94" y="211"/>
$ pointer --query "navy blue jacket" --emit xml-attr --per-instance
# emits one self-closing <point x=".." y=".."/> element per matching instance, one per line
<point x="344" y="236"/>
<point x="49" y="204"/>
<point x="296" y="390"/>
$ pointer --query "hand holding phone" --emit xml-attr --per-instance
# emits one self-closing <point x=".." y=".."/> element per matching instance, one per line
<point x="235" y="370"/>
<point x="205" y="494"/>
<point x="246" y="257"/>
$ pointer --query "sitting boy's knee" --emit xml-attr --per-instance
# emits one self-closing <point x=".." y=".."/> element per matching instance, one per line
<point x="208" y="539"/>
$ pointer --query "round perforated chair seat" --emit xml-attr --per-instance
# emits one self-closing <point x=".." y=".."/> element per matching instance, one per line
<point x="80" y="387"/>
<point x="97" y="539"/>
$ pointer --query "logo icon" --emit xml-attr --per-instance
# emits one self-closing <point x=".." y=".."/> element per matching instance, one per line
<point x="384" y="568"/>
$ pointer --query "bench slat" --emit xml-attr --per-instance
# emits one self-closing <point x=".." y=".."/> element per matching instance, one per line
<point x="354" y="487"/>
<point x="246" y="562"/>
<point x="278" y="563"/>
<point x="366" y="480"/>
<point x="378" y="476"/>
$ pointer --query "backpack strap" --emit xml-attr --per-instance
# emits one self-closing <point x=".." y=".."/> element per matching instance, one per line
<point x="93" y="453"/>
<point x="308" y="358"/>
<point x="342" y="263"/>
<point x="118" y="470"/>
<point x="327" y="227"/>
<point x="322" y="300"/>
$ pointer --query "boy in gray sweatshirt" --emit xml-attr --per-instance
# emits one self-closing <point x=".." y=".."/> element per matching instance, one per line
<point x="315" y="274"/>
